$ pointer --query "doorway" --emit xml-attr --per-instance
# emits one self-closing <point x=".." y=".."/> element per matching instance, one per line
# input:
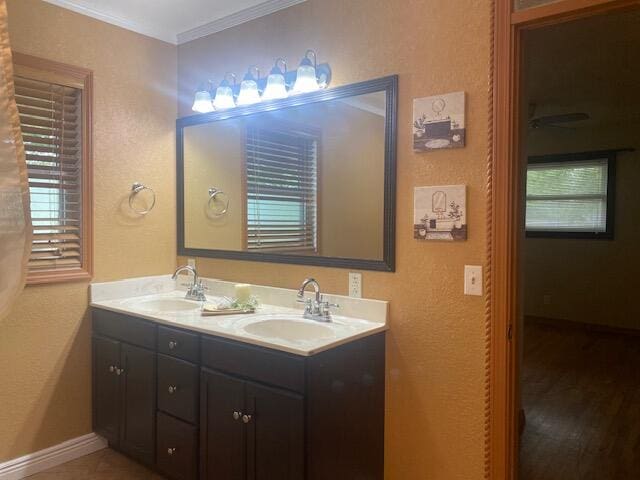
<point x="579" y="342"/>
<point x="508" y="261"/>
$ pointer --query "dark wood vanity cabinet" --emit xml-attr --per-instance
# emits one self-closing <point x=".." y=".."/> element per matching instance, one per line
<point x="124" y="396"/>
<point x="250" y="431"/>
<point x="198" y="406"/>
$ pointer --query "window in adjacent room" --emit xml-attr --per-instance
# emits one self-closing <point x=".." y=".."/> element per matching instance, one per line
<point x="571" y="196"/>
<point x="281" y="190"/>
<point x="54" y="102"/>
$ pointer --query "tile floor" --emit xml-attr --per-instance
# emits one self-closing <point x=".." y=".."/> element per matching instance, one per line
<point x="105" y="464"/>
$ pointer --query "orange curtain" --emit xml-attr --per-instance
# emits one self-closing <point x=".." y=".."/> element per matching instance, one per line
<point x="15" y="218"/>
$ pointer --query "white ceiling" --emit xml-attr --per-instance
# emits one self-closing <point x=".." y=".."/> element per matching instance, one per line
<point x="175" y="21"/>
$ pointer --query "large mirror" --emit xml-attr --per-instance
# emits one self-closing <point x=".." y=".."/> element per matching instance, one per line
<point x="309" y="179"/>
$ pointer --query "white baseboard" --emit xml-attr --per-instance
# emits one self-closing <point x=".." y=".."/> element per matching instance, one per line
<point x="32" y="463"/>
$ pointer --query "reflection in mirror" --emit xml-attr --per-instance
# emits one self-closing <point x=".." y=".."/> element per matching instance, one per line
<point x="306" y="180"/>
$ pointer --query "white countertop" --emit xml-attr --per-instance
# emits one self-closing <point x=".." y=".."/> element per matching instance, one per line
<point x="292" y="333"/>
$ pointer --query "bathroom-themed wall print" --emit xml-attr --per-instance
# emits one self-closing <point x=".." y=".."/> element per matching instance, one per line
<point x="439" y="122"/>
<point x="440" y="213"/>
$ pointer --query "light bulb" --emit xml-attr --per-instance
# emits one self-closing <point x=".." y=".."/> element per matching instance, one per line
<point x="306" y="80"/>
<point x="202" y="102"/>
<point x="224" y="97"/>
<point x="248" y="93"/>
<point x="276" y="86"/>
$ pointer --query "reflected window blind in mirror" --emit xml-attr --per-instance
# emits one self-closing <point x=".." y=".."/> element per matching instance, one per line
<point x="569" y="198"/>
<point x="281" y="189"/>
<point x="51" y="123"/>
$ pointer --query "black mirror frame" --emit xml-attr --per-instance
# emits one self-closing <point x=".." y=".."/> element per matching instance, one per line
<point x="387" y="84"/>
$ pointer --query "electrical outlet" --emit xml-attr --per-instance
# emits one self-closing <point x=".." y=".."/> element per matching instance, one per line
<point x="472" y="280"/>
<point x="546" y="299"/>
<point x="355" y="284"/>
<point x="191" y="262"/>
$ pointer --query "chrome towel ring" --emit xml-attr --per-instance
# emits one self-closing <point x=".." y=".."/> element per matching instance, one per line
<point x="217" y="194"/>
<point x="136" y="188"/>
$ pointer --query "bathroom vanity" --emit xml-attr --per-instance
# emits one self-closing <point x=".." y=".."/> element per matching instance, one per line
<point x="263" y="396"/>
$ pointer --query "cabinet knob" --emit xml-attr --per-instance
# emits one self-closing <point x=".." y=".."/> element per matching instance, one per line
<point x="171" y="451"/>
<point x="172" y="345"/>
<point x="172" y="389"/>
<point x="119" y="371"/>
<point x="237" y="415"/>
<point x="112" y="368"/>
<point x="246" y="418"/>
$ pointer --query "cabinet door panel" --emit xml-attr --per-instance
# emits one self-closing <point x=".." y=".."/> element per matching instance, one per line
<point x="275" y="434"/>
<point x="106" y="392"/>
<point x="222" y="454"/>
<point x="138" y="384"/>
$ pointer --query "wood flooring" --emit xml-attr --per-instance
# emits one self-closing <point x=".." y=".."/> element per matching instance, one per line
<point x="581" y="396"/>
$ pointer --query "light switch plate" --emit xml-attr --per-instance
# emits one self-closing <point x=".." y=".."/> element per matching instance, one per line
<point x="355" y="284"/>
<point x="473" y="280"/>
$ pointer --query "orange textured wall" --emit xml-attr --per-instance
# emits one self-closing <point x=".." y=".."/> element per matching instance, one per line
<point x="45" y="341"/>
<point x="435" y="348"/>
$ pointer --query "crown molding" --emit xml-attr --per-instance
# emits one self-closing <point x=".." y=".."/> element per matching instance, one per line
<point x="243" y="16"/>
<point x="146" y="30"/>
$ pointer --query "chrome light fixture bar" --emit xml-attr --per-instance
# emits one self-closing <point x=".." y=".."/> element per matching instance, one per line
<point x="280" y="83"/>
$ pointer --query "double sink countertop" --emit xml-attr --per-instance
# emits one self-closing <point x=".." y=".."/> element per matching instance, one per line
<point x="277" y="323"/>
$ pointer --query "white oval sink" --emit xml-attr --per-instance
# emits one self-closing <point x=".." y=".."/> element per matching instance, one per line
<point x="166" y="305"/>
<point x="289" y="330"/>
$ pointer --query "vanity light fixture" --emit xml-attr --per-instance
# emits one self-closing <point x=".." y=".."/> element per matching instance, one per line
<point x="249" y="87"/>
<point x="224" y="94"/>
<point x="276" y="85"/>
<point x="280" y="83"/>
<point x="202" y="102"/>
<point x="306" y="80"/>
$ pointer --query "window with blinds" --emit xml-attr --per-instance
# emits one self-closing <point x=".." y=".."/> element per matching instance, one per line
<point x="569" y="198"/>
<point x="52" y="123"/>
<point x="281" y="188"/>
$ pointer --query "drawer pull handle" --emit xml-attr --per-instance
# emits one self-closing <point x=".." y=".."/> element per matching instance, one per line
<point x="171" y="451"/>
<point x="173" y="345"/>
<point x="237" y="415"/>
<point x="246" y="418"/>
<point x="172" y="389"/>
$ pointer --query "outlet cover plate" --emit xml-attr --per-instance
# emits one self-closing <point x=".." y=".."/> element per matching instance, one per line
<point x="355" y="284"/>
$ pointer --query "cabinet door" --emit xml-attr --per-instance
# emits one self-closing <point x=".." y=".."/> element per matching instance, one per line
<point x="222" y="451"/>
<point x="275" y="434"/>
<point x="106" y="392"/>
<point x="138" y="402"/>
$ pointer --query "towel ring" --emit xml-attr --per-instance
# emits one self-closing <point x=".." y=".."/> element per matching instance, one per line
<point x="215" y="193"/>
<point x="136" y="188"/>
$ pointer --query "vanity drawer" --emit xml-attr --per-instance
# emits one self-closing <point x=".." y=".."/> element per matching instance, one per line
<point x="177" y="447"/>
<point x="123" y="327"/>
<point x="178" y="343"/>
<point x="178" y="388"/>
<point x="261" y="364"/>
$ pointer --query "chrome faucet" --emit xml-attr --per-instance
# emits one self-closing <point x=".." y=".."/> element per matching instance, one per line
<point x="315" y="309"/>
<point x="197" y="288"/>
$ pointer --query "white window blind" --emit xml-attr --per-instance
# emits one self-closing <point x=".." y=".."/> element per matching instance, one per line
<point x="282" y="182"/>
<point x="51" y="122"/>
<point x="567" y="196"/>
